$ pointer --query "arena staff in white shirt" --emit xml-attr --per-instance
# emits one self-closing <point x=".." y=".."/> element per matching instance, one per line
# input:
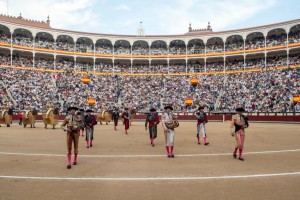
<point x="169" y="126"/>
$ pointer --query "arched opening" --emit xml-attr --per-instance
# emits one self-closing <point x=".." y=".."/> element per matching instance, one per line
<point x="177" y="47"/>
<point x="65" y="43"/>
<point x="234" y="63"/>
<point x="84" y="45"/>
<point x="104" y="46"/>
<point x="140" y="66"/>
<point x="122" y="47"/>
<point x="65" y="63"/>
<point x="276" y="37"/>
<point x="294" y="34"/>
<point x="255" y="40"/>
<point x="103" y="65"/>
<point x="44" y="40"/>
<point x="140" y="47"/>
<point x="122" y="65"/>
<point x="159" y="66"/>
<point x="215" y="45"/>
<point x="276" y="59"/>
<point x="159" y="47"/>
<point x="84" y="64"/>
<point x="255" y="61"/>
<point x="22" y="37"/>
<point x="234" y="43"/>
<point x="214" y="64"/>
<point x="195" y="46"/>
<point x="196" y="65"/>
<point x="22" y="58"/>
<point x="4" y="56"/>
<point x="294" y="56"/>
<point x="177" y="66"/>
<point x="44" y="61"/>
<point x="4" y="34"/>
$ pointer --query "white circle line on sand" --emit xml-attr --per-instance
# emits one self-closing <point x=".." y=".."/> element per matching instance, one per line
<point x="153" y="155"/>
<point x="150" y="178"/>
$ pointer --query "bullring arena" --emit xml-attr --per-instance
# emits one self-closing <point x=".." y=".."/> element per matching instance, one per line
<point x="256" y="68"/>
<point x="121" y="166"/>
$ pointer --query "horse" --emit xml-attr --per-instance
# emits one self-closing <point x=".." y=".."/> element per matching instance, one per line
<point x="51" y="117"/>
<point x="5" y="118"/>
<point x="107" y="117"/>
<point x="29" y="118"/>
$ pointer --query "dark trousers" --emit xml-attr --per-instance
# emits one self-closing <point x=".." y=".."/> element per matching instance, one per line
<point x="153" y="131"/>
<point x="116" y="121"/>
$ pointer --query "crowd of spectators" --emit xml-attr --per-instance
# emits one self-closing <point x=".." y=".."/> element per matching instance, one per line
<point x="122" y="50"/>
<point x="274" y="61"/>
<point x="196" y="49"/>
<point x="294" y="59"/>
<point x="4" y="97"/>
<point x="84" y="47"/>
<point x="103" y="49"/>
<point x="178" y="49"/>
<point x="215" y="48"/>
<point x="215" y="66"/>
<point x="30" y="88"/>
<point x="255" y="63"/>
<point x="266" y="91"/>
<point x="232" y="65"/>
<point x="44" y="43"/>
<point x="22" y="40"/>
<point x="159" y="51"/>
<point x="294" y="36"/>
<point x="64" y="45"/>
<point x="257" y="42"/>
<point x="140" y="49"/>
<point x="276" y="40"/>
<point x="4" y="37"/>
<point x="234" y="45"/>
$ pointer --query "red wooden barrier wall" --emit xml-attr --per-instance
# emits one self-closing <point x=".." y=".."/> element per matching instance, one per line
<point x="267" y="117"/>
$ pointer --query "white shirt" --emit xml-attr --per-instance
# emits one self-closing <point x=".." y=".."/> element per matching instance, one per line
<point x="167" y="118"/>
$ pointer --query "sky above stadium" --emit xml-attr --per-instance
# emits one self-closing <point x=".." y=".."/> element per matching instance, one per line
<point x="157" y="16"/>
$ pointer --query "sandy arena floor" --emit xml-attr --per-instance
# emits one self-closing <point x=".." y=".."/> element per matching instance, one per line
<point x="119" y="166"/>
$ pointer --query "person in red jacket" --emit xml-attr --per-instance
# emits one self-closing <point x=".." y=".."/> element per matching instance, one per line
<point x="20" y="116"/>
<point x="126" y="117"/>
<point x="201" y="121"/>
<point x="153" y="120"/>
